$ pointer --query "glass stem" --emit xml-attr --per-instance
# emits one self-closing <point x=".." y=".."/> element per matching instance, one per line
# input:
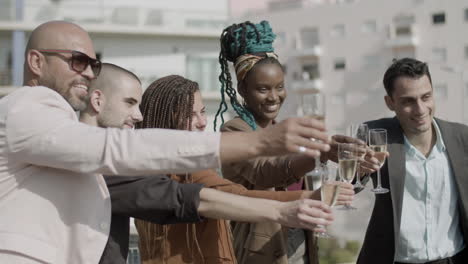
<point x="317" y="162"/>
<point x="358" y="180"/>
<point x="379" y="184"/>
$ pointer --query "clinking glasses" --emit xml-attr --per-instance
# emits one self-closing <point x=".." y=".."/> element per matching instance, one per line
<point x="79" y="61"/>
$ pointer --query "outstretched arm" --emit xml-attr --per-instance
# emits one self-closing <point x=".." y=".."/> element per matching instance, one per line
<point x="304" y="213"/>
<point x="32" y="139"/>
<point x="283" y="138"/>
<point x="266" y="172"/>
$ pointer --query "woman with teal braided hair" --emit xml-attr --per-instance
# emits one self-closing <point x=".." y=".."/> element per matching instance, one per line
<point x="260" y="82"/>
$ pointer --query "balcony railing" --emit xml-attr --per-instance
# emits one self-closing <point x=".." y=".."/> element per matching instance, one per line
<point x="315" y="51"/>
<point x="305" y="85"/>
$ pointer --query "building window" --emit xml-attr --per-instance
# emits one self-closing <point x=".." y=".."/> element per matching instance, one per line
<point x="204" y="23"/>
<point x="154" y="17"/>
<point x="310" y="71"/>
<point x="205" y="71"/>
<point x="340" y="64"/>
<point x="439" y="54"/>
<point x="369" y="26"/>
<point x="133" y="253"/>
<point x="133" y="256"/>
<point x="338" y="30"/>
<point x="441" y="91"/>
<point x="466" y="14"/>
<point x="309" y="37"/>
<point x="438" y="18"/>
<point x="466" y="52"/>
<point x="402" y="31"/>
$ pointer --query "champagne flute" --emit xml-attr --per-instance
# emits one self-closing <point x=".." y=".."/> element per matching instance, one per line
<point x="347" y="162"/>
<point x="378" y="143"/>
<point x="361" y="132"/>
<point x="329" y="192"/>
<point x="313" y="106"/>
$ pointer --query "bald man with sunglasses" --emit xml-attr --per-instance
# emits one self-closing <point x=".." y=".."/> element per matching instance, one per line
<point x="54" y="203"/>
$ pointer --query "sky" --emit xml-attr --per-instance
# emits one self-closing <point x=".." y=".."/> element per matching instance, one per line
<point x="239" y="6"/>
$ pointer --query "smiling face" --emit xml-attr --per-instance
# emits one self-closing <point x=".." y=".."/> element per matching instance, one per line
<point x="120" y="104"/>
<point x="54" y="69"/>
<point x="263" y="92"/>
<point x="413" y="103"/>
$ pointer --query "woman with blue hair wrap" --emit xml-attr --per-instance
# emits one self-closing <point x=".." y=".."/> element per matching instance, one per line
<point x="260" y="82"/>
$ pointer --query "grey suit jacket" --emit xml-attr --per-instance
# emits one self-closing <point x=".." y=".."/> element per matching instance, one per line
<point x="384" y="225"/>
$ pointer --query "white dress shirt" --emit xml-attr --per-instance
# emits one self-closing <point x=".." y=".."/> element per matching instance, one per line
<point x="430" y="227"/>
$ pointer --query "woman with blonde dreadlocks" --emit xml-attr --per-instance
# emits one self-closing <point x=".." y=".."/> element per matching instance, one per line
<point x="260" y="82"/>
<point x="174" y="102"/>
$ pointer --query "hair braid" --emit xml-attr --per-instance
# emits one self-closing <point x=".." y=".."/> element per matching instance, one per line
<point x="168" y="103"/>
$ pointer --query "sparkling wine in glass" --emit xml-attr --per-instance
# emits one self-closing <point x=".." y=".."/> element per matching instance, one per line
<point x="361" y="132"/>
<point x="347" y="163"/>
<point x="329" y="192"/>
<point x="378" y="143"/>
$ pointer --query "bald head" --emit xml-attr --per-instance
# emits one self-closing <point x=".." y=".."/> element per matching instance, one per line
<point x="49" y="60"/>
<point x="56" y="35"/>
<point x="114" y="99"/>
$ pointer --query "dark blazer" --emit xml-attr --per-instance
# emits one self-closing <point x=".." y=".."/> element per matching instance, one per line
<point x="157" y="199"/>
<point x="384" y="225"/>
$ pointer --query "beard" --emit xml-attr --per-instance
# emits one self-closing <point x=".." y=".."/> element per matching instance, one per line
<point x="77" y="102"/>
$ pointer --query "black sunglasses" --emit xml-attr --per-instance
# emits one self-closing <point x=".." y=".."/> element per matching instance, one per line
<point x="79" y="60"/>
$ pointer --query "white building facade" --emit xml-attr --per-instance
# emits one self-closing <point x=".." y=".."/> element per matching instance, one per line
<point x="151" y="38"/>
<point x="343" y="47"/>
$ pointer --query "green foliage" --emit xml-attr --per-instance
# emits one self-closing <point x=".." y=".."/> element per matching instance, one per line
<point x="330" y="252"/>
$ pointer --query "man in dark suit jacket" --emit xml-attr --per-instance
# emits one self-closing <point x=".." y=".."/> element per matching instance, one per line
<point x="423" y="219"/>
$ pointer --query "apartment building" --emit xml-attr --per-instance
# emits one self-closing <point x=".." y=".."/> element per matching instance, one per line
<point x="343" y="47"/>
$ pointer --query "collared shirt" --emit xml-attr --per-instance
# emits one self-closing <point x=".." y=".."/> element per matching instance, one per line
<point x="430" y="227"/>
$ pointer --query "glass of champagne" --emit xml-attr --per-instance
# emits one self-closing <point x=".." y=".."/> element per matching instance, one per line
<point x="347" y="163"/>
<point x="329" y="192"/>
<point x="378" y="143"/>
<point x="313" y="106"/>
<point x="361" y="132"/>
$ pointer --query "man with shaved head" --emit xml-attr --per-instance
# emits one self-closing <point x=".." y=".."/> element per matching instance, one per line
<point x="114" y="99"/>
<point x="55" y="206"/>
